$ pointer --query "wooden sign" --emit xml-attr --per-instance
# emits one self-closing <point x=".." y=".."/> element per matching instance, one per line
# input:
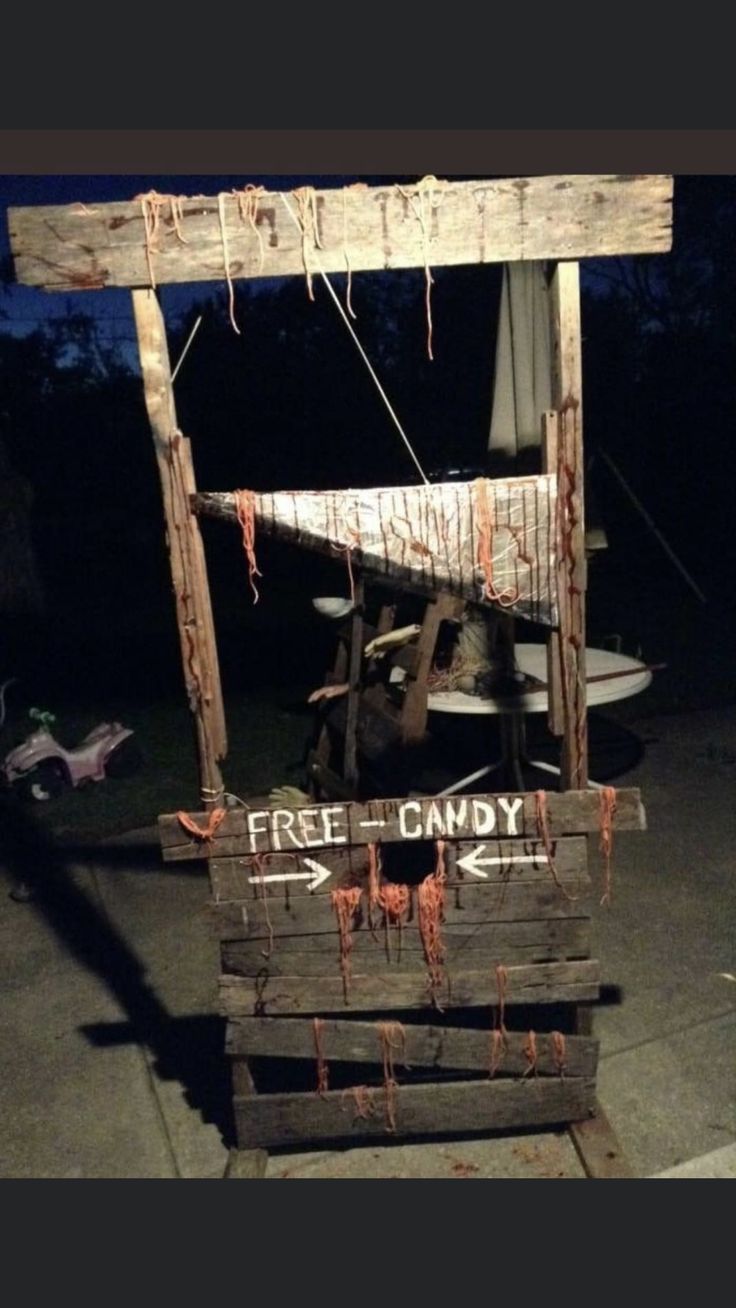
<point x="302" y="829"/>
<point x="155" y="239"/>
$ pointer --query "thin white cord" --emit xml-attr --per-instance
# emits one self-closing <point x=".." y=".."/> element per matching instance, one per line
<point x="362" y="352"/>
<point x="182" y="356"/>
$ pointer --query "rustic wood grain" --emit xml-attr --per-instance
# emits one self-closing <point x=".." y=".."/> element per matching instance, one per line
<point x="464" y="905"/>
<point x="414" y="710"/>
<point x="456" y="1107"/>
<point x="426" y="1046"/>
<point x="186" y="553"/>
<point x="568" y="663"/>
<point x="571" y="812"/>
<point x="536" y="983"/>
<point x="544" y="938"/>
<point x="75" y="247"/>
<point x="598" y="1147"/>
<point x="468" y="948"/>
<point x="231" y="877"/>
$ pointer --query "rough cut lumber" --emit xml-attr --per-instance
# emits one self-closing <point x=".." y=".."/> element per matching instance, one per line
<point x="534" y="983"/>
<point x="454" y="1106"/>
<point x="244" y="1164"/>
<point x="541" y="939"/>
<point x="75" y="247"/>
<point x="566" y="666"/>
<point x="186" y="553"/>
<point x="355" y="1041"/>
<point x="599" y="1149"/>
<point x="464" y="817"/>
<point x="415" y="708"/>
<point x="465" y="905"/>
<point x="513" y="860"/>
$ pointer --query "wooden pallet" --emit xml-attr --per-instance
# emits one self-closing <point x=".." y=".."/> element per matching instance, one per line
<point x="516" y="934"/>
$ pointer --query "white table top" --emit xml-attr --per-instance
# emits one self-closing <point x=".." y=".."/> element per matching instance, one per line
<point x="532" y="659"/>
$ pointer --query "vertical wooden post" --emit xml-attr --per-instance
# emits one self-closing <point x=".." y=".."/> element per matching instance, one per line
<point x="186" y="554"/>
<point x="414" y="712"/>
<point x="350" y="760"/>
<point x="567" y="400"/>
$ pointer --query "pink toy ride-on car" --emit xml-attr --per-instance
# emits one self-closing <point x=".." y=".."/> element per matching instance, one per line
<point x="41" y="768"/>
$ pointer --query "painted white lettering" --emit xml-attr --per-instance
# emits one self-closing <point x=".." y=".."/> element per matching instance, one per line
<point x="455" y="817"/>
<point x="283" y="818"/>
<point x="307" y="821"/>
<point x="255" y="831"/>
<point x="483" y="818"/>
<point x="416" y="807"/>
<point x="435" y="825"/>
<point x="329" y="823"/>
<point x="511" y="808"/>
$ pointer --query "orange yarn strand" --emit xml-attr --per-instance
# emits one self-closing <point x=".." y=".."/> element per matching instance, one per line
<point x="431" y="911"/>
<point x="542" y="818"/>
<point x="393" y="1038"/>
<point x="607" y="810"/>
<point x="484" y="525"/>
<point x="202" y="833"/>
<point x="345" y="901"/>
<point x="245" y="509"/>
<point x="323" y="1075"/>
<point x="498" y="1052"/>
<point x="530" y="1053"/>
<point x="559" y="1049"/>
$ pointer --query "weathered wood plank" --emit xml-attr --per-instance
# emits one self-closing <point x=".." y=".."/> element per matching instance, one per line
<point x="599" y="1149"/>
<point x="478" y="946"/>
<point x="466" y="817"/>
<point x="500" y="861"/>
<point x="465" y="905"/>
<point x="244" y="1163"/>
<point x="455" y="1106"/>
<point x="540" y="940"/>
<point x="537" y="983"/>
<point x="449" y="1048"/>
<point x="568" y="661"/>
<point x="350" y="742"/>
<point x="75" y="247"/>
<point x="414" y="710"/>
<point x="186" y="553"/>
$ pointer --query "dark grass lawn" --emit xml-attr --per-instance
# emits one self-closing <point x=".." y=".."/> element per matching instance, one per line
<point x="268" y="735"/>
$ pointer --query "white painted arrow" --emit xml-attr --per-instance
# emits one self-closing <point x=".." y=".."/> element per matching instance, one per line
<point x="472" y="862"/>
<point x="315" y="877"/>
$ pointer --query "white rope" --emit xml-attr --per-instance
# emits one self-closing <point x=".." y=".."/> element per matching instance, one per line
<point x="362" y="352"/>
<point x="183" y="354"/>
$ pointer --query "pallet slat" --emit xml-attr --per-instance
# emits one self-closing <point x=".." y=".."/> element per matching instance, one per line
<point x="459" y="1106"/>
<point x="426" y="1046"/>
<point x="534" y="983"/>
<point x="308" y="829"/>
<point x="464" y="905"/>
<point x="479" y="947"/>
<point x="501" y="860"/>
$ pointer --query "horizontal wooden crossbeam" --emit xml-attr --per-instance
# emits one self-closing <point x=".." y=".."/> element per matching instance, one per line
<point x="537" y="983"/>
<point x="310" y="828"/>
<point x="456" y="1106"/>
<point x="409" y="225"/>
<point x="446" y="1047"/>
